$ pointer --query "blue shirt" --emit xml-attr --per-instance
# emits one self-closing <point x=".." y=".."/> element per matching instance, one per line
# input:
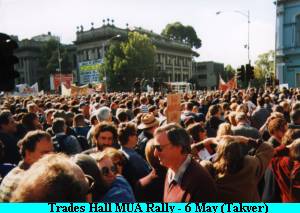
<point x="119" y="192"/>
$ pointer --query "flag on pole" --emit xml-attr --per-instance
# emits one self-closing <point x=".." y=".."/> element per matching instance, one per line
<point x="231" y="84"/>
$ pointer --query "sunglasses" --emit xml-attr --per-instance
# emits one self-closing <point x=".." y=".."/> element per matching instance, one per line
<point x="105" y="170"/>
<point x="91" y="183"/>
<point x="160" y="148"/>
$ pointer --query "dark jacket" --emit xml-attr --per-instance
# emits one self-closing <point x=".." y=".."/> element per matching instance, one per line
<point x="135" y="167"/>
<point x="151" y="187"/>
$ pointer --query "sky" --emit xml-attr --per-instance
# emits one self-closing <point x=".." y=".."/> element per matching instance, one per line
<point x="223" y="36"/>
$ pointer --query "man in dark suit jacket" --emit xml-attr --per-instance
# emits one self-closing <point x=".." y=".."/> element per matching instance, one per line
<point x="186" y="180"/>
<point x="260" y="114"/>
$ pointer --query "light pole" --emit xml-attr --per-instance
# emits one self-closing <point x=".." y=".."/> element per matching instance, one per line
<point x="247" y="15"/>
<point x="59" y="63"/>
<point x="103" y="54"/>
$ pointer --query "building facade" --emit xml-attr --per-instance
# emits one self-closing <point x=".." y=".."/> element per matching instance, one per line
<point x="288" y="42"/>
<point x="206" y="74"/>
<point x="29" y="55"/>
<point x="173" y="60"/>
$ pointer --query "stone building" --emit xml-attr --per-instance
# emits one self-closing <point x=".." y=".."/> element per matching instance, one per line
<point x="288" y="42"/>
<point x="173" y="60"/>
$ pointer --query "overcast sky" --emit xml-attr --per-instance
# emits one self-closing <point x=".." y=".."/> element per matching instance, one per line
<point x="223" y="36"/>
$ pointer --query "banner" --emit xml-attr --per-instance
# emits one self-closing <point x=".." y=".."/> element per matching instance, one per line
<point x="25" y="90"/>
<point x="65" y="91"/>
<point x="79" y="91"/>
<point x="173" y="108"/>
<point x="89" y="71"/>
<point x="57" y="79"/>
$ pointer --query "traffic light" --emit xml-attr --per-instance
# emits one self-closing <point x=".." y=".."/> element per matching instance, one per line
<point x="249" y="72"/>
<point x="7" y="62"/>
<point x="241" y="73"/>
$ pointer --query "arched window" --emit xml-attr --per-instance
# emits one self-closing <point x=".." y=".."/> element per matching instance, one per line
<point x="297" y="31"/>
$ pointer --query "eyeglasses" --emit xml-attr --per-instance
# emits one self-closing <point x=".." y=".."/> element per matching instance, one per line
<point x="160" y="148"/>
<point x="105" y="170"/>
<point x="91" y="183"/>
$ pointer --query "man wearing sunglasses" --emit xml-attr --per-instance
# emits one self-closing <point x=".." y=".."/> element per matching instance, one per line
<point x="186" y="180"/>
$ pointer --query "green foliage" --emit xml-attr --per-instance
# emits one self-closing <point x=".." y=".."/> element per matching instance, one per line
<point x="186" y="34"/>
<point x="127" y="60"/>
<point x="49" y="57"/>
<point x="264" y="67"/>
<point x="229" y="72"/>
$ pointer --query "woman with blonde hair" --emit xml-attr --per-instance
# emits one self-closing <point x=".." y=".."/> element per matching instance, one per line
<point x="224" y="129"/>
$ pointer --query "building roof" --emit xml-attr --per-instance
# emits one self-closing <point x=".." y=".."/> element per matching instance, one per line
<point x="108" y="31"/>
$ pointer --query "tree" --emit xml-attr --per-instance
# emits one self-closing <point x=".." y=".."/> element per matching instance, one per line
<point x="264" y="67"/>
<point x="49" y="57"/>
<point x="127" y="60"/>
<point x="229" y="72"/>
<point x="186" y="34"/>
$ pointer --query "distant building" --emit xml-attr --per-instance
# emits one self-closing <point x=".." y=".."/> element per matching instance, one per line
<point x="206" y="74"/>
<point x="288" y="42"/>
<point x="173" y="60"/>
<point x="45" y="37"/>
<point x="29" y="54"/>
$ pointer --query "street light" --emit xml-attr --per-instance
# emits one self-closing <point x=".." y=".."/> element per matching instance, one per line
<point x="59" y="63"/>
<point x="103" y="54"/>
<point x="247" y="15"/>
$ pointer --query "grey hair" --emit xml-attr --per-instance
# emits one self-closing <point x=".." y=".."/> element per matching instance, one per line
<point x="177" y="136"/>
<point x="103" y="113"/>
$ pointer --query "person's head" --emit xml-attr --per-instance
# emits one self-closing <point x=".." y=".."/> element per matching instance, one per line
<point x="79" y="120"/>
<point x="214" y="110"/>
<point x="31" y="122"/>
<point x="127" y="135"/>
<point x="106" y="166"/>
<point x="197" y="131"/>
<point x="277" y="127"/>
<point x="144" y="100"/>
<point x="84" y="108"/>
<point x="172" y="144"/>
<point x="148" y="123"/>
<point x="117" y="157"/>
<point x="122" y="116"/>
<point x="260" y="101"/>
<point x="34" y="145"/>
<point x="93" y="120"/>
<point x="295" y="150"/>
<point x="54" y="178"/>
<point x="230" y="157"/>
<point x="33" y="108"/>
<point x="224" y="129"/>
<point x="151" y="158"/>
<point x="295" y="117"/>
<point x="241" y="117"/>
<point x="104" y="134"/>
<point x="7" y="122"/>
<point x="89" y="167"/>
<point x="290" y="135"/>
<point x="59" y="126"/>
<point x="48" y="114"/>
<point x="104" y="114"/>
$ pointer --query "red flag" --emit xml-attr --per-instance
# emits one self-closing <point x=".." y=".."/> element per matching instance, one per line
<point x="222" y="85"/>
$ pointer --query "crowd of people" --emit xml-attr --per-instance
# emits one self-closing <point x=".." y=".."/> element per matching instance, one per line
<point x="233" y="146"/>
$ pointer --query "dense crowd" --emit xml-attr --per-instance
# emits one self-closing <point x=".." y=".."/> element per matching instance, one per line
<point x="234" y="146"/>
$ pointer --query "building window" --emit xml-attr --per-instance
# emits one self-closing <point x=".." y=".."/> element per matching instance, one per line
<point x="297" y="30"/>
<point x="203" y="76"/>
<point x="202" y="67"/>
